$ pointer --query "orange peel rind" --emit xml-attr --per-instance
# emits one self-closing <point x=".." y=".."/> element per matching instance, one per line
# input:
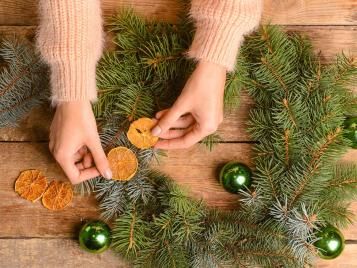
<point x="139" y="133"/>
<point x="123" y="163"/>
<point x="31" y="184"/>
<point x="58" y="195"/>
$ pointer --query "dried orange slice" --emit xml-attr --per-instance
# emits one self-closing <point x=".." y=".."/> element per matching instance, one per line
<point x="31" y="184"/>
<point x="139" y="133"/>
<point x="123" y="163"/>
<point x="58" y="195"/>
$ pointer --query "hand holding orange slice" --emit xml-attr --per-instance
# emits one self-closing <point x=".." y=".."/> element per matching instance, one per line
<point x="139" y="133"/>
<point x="123" y="163"/>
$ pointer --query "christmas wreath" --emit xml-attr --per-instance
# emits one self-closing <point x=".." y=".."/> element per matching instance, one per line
<point x="298" y="194"/>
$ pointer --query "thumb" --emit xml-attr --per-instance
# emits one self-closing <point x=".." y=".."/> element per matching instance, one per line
<point x="100" y="158"/>
<point x="166" y="121"/>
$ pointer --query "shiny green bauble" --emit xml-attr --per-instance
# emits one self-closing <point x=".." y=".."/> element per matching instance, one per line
<point x="331" y="242"/>
<point x="235" y="176"/>
<point x="95" y="236"/>
<point x="350" y="125"/>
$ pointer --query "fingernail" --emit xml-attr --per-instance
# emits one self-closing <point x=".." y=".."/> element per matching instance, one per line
<point x="156" y="131"/>
<point x="108" y="174"/>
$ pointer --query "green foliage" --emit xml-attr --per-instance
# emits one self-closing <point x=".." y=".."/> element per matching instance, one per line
<point x="300" y="106"/>
<point x="23" y="81"/>
<point x="337" y="194"/>
<point x="211" y="140"/>
<point x="129" y="234"/>
<point x="299" y="111"/>
<point x="148" y="69"/>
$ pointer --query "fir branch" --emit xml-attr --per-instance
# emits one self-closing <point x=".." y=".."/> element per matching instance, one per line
<point x="129" y="234"/>
<point x="314" y="165"/>
<point x="211" y="141"/>
<point x="23" y="81"/>
<point x="297" y="119"/>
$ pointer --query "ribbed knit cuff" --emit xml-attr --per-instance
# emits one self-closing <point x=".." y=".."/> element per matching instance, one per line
<point x="73" y="80"/>
<point x="220" y="28"/>
<point x="70" y="39"/>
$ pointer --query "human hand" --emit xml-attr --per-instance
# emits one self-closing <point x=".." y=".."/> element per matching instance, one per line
<point x="73" y="131"/>
<point x="197" y="112"/>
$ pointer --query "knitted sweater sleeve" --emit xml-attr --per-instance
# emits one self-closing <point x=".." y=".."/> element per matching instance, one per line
<point x="70" y="39"/>
<point x="220" y="28"/>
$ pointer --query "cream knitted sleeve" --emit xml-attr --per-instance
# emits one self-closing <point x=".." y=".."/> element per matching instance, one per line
<point x="70" y="39"/>
<point x="220" y="28"/>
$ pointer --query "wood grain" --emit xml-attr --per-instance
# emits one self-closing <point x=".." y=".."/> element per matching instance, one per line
<point x="31" y="236"/>
<point x="287" y="12"/>
<point x="310" y="12"/>
<point x="35" y="126"/>
<point x="18" y="214"/>
<point x="327" y="40"/>
<point x="58" y="253"/>
<point x="195" y="169"/>
<point x="330" y="40"/>
<point x="54" y="253"/>
<point x="346" y="260"/>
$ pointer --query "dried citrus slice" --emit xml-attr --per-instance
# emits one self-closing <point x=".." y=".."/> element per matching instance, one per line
<point x="31" y="184"/>
<point x="139" y="133"/>
<point x="58" y="195"/>
<point x="123" y="163"/>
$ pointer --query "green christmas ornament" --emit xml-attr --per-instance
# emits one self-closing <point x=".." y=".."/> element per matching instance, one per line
<point x="235" y="176"/>
<point x="350" y="125"/>
<point x="331" y="242"/>
<point x="95" y="237"/>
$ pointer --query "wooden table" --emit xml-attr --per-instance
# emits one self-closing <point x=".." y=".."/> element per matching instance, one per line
<point x="31" y="236"/>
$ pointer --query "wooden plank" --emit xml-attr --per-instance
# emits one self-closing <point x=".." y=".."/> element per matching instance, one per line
<point x="37" y="252"/>
<point x="311" y="12"/>
<point x="34" y="127"/>
<point x="25" y="13"/>
<point x="350" y="156"/>
<point x="21" y="218"/>
<point x="330" y="40"/>
<point x="42" y="253"/>
<point x="18" y="12"/>
<point x="346" y="260"/>
<point x="195" y="168"/>
<point x="287" y="12"/>
<point x="18" y="214"/>
<point x="198" y="169"/>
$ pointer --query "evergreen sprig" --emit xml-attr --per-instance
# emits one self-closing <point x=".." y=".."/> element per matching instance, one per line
<point x="299" y="111"/>
<point x="23" y="81"/>
<point x="299" y="186"/>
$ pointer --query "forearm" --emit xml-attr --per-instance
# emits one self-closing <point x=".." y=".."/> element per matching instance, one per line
<point x="70" y="39"/>
<point x="220" y="28"/>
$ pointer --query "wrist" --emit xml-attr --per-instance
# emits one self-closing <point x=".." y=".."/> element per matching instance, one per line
<point x="212" y="67"/>
<point x="78" y="104"/>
